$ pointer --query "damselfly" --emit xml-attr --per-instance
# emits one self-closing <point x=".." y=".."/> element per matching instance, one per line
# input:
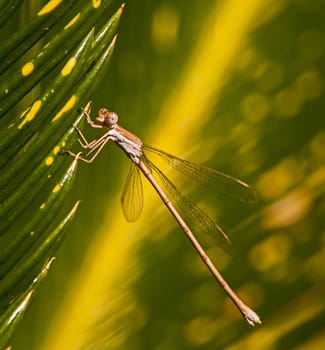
<point x="132" y="196"/>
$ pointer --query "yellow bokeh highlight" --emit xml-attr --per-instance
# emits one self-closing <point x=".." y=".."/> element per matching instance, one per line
<point x="49" y="160"/>
<point x="317" y="146"/>
<point x="66" y="108"/>
<point x="279" y="179"/>
<point x="272" y="76"/>
<point x="287" y="103"/>
<point x="205" y="73"/>
<point x="311" y="267"/>
<point x="50" y="6"/>
<point x="309" y="85"/>
<point x="27" y="68"/>
<point x="73" y="21"/>
<point x="256" y="107"/>
<point x="96" y="3"/>
<point x="200" y="331"/>
<point x="275" y="250"/>
<point x="56" y="188"/>
<point x="288" y="210"/>
<point x="67" y="69"/>
<point x="165" y="25"/>
<point x="31" y="113"/>
<point x="316" y="179"/>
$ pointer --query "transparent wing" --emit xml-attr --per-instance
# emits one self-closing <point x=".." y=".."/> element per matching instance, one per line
<point x="132" y="195"/>
<point x="211" y="178"/>
<point x="191" y="213"/>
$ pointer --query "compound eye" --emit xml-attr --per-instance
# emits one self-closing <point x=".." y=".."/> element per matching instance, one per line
<point x="106" y="117"/>
<point x="112" y="118"/>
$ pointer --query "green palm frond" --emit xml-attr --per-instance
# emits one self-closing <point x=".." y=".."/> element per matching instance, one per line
<point x="35" y="175"/>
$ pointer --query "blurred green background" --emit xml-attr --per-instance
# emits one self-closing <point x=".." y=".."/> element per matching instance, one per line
<point x="238" y="86"/>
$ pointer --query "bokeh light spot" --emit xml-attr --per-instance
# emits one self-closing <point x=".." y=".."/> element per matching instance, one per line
<point x="288" y="210"/>
<point x="200" y="330"/>
<point x="309" y="85"/>
<point x="311" y="266"/>
<point x="277" y="180"/>
<point x="272" y="77"/>
<point x="246" y="58"/>
<point x="317" y="145"/>
<point x="272" y="251"/>
<point x="256" y="107"/>
<point x="165" y="25"/>
<point x="287" y="103"/>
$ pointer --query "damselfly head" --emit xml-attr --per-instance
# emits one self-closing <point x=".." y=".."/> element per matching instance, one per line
<point x="106" y="117"/>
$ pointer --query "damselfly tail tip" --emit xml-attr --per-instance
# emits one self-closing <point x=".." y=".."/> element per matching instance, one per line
<point x="251" y="317"/>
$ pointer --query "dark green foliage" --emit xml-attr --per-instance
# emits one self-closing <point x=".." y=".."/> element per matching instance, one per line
<point x="35" y="174"/>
